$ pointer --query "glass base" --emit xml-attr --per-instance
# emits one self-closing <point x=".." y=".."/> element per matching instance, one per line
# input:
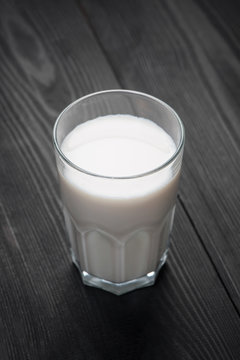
<point x="123" y="287"/>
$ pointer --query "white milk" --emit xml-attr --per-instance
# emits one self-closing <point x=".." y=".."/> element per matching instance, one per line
<point x="119" y="228"/>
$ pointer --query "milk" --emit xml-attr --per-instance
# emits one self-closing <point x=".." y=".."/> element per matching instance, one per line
<point x="118" y="226"/>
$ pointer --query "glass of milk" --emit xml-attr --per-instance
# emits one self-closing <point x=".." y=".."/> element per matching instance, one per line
<point x="118" y="155"/>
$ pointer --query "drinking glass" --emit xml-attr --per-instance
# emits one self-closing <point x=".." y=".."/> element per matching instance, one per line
<point x="119" y="242"/>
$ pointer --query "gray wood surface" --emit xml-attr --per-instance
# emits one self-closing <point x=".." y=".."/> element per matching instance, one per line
<point x="186" y="53"/>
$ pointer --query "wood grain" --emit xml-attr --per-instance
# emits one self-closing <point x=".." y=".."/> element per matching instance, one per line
<point x="49" y="56"/>
<point x="176" y="53"/>
<point x="224" y="15"/>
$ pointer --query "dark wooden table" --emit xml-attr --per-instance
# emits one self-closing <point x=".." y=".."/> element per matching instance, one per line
<point x="184" y="52"/>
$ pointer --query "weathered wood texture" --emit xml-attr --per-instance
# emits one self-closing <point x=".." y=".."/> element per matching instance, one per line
<point x="52" y="52"/>
<point x="171" y="49"/>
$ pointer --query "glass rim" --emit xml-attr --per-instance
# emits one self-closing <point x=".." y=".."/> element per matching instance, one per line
<point x="129" y="92"/>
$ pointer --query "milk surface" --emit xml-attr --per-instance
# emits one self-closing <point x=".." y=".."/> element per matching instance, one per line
<point x="119" y="228"/>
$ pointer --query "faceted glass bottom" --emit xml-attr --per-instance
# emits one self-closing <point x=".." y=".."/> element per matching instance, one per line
<point x="123" y="287"/>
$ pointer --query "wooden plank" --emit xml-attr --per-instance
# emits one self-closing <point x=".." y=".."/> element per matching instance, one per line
<point x="174" y="52"/>
<point x="224" y="15"/>
<point x="49" y="57"/>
